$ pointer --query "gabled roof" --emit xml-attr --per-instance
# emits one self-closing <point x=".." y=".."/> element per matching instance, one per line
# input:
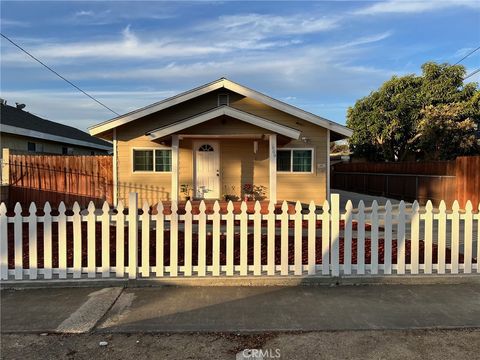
<point x="220" y="83"/>
<point x="17" y="121"/>
<point x="228" y="111"/>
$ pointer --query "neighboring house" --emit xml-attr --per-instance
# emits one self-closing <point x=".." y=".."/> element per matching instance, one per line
<point x="23" y="132"/>
<point x="216" y="138"/>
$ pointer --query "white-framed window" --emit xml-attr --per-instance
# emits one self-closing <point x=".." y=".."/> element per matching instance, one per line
<point x="152" y="160"/>
<point x="223" y="99"/>
<point x="295" y="160"/>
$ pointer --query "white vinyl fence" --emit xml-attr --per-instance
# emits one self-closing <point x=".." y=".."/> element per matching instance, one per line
<point x="323" y="241"/>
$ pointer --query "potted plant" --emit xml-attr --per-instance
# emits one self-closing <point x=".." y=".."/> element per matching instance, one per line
<point x="186" y="190"/>
<point x="248" y="192"/>
<point x="230" y="196"/>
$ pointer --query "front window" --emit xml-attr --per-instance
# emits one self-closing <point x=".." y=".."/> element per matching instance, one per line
<point x="150" y="160"/>
<point x="294" y="160"/>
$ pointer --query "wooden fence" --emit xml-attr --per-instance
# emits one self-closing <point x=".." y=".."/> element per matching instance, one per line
<point x="435" y="180"/>
<point x="153" y="243"/>
<point x="55" y="178"/>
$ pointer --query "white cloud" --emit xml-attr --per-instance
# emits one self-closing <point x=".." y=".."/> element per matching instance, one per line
<point x="13" y="23"/>
<point x="410" y="7"/>
<point x="260" y="25"/>
<point x="128" y="46"/>
<point x="366" y="40"/>
<point x="84" y="13"/>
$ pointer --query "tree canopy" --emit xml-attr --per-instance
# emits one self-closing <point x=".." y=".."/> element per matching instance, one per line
<point x="429" y="116"/>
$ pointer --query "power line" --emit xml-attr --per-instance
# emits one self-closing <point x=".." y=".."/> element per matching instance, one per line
<point x="466" y="56"/>
<point x="60" y="76"/>
<point x="471" y="74"/>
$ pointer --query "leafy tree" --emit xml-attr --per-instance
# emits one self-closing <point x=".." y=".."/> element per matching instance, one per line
<point x="430" y="116"/>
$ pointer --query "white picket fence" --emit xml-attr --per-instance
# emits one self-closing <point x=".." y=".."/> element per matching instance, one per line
<point x="234" y="229"/>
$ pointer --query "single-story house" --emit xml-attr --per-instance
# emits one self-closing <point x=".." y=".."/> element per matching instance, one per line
<point x="220" y="139"/>
<point x="24" y="132"/>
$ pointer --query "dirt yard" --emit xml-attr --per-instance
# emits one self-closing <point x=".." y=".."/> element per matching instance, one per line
<point x="414" y="344"/>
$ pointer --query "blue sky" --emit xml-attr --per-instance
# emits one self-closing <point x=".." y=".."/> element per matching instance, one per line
<point x="320" y="56"/>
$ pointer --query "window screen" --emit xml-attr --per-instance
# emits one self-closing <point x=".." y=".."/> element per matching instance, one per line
<point x="143" y="160"/>
<point x="163" y="160"/>
<point x="284" y="158"/>
<point x="302" y="161"/>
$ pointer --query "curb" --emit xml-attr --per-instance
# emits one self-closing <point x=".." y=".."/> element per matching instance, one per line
<point x="247" y="281"/>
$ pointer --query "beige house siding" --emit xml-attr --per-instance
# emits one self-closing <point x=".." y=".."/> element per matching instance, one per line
<point x="18" y="143"/>
<point x="238" y="162"/>
<point x="313" y="186"/>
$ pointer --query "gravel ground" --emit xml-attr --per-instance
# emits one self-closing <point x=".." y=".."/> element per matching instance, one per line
<point x="412" y="344"/>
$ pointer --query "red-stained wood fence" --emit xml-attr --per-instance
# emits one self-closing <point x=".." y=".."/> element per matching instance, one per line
<point x="56" y="178"/>
<point x="435" y="180"/>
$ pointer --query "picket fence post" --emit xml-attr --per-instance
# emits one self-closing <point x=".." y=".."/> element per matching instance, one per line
<point x="312" y="238"/>
<point x="271" y="239"/>
<point x="257" y="238"/>
<point x="468" y="237"/>
<point x="401" y="239"/>
<point x="77" y="241"/>
<point x="335" y="235"/>
<point x="32" y="242"/>
<point x="387" y="255"/>
<point x="174" y="239"/>
<point x="243" y="239"/>
<point x="145" y="219"/>
<point x="347" y="241"/>
<point x="132" y="235"/>
<point x="230" y="237"/>
<point x="455" y="237"/>
<point x="159" y="239"/>
<point x="106" y="240"/>
<point x="216" y="239"/>
<point x="3" y="242"/>
<point x="361" y="238"/>
<point x="374" y="239"/>
<point x="18" y="240"/>
<point x="326" y="238"/>
<point x="442" y="236"/>
<point x="415" y="239"/>
<point x="47" y="241"/>
<point x="120" y="243"/>
<point x="284" y="240"/>
<point x="91" y="251"/>
<point x="428" y="237"/>
<point x="202" y="240"/>
<point x="188" y="240"/>
<point x="478" y="239"/>
<point x="62" y="241"/>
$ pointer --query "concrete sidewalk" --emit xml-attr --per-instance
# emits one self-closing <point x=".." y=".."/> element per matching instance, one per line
<point x="239" y="309"/>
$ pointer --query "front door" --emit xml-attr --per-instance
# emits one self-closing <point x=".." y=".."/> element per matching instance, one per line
<point x="207" y="170"/>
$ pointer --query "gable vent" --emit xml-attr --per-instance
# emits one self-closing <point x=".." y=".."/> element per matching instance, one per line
<point x="223" y="99"/>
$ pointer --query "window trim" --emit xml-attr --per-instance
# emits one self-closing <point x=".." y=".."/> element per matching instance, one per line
<point x="133" y="171"/>
<point x="291" y="161"/>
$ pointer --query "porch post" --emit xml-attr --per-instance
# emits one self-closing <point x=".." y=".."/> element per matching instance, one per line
<point x="175" y="146"/>
<point x="272" y="142"/>
<point x="327" y="194"/>
<point x="115" y="169"/>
